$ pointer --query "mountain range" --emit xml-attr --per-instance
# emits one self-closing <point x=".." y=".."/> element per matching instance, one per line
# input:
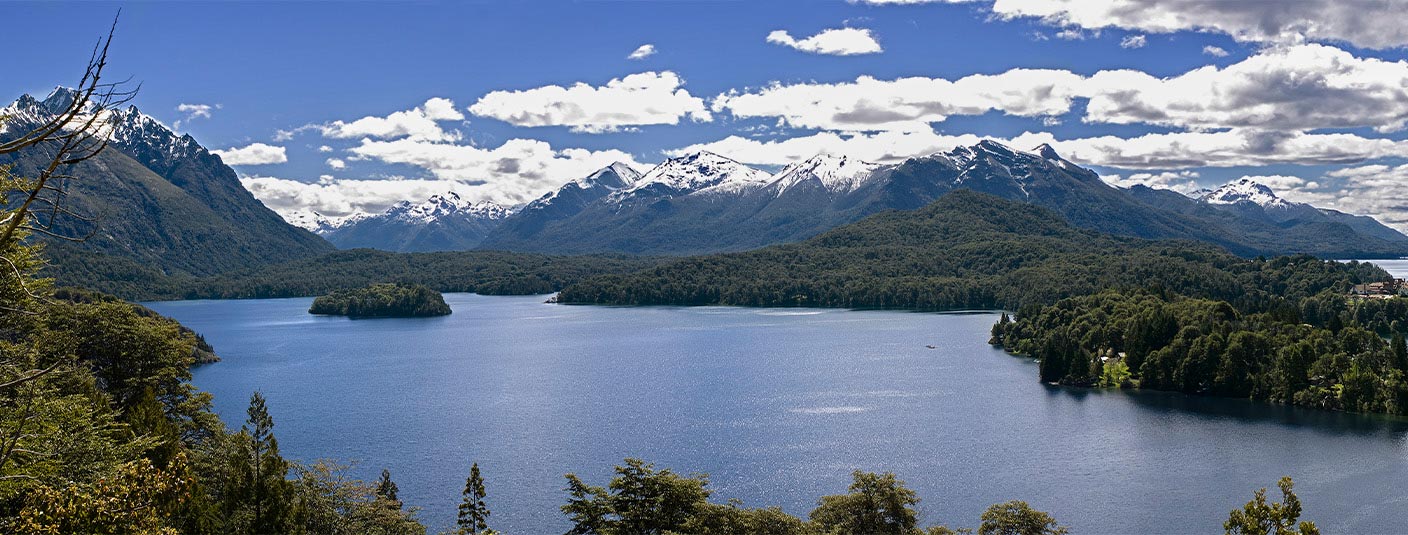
<point x="705" y="202"/>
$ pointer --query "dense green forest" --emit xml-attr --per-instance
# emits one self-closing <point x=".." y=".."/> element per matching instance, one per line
<point x="483" y="272"/>
<point x="968" y="251"/>
<point x="1328" y="353"/>
<point x="383" y="300"/>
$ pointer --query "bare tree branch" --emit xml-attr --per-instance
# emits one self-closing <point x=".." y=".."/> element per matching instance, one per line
<point x="77" y="133"/>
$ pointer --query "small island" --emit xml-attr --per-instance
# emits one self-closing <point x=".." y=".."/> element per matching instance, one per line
<point x="383" y="300"/>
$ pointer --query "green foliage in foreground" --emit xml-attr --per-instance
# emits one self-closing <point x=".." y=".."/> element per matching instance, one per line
<point x="643" y="500"/>
<point x="1204" y="346"/>
<point x="482" y="272"/>
<point x="384" y="300"/>
<point x="102" y="432"/>
<point x="967" y="251"/>
<point x="1260" y="518"/>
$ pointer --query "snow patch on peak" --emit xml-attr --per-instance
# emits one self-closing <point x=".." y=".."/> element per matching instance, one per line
<point x="317" y="223"/>
<point x="625" y="176"/>
<point x="838" y="174"/>
<point x="444" y="205"/>
<point x="700" y="171"/>
<point x="1245" y="190"/>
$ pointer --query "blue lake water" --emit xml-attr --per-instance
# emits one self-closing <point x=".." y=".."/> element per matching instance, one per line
<point x="778" y="406"/>
<point x="1396" y="267"/>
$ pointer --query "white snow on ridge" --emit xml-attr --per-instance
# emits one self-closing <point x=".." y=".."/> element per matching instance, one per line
<point x="436" y="208"/>
<point x="1244" y="190"/>
<point x="318" y="223"/>
<point x="123" y="127"/>
<point x="838" y="174"/>
<point x="700" y="171"/>
<point x="442" y="206"/>
<point x="627" y="173"/>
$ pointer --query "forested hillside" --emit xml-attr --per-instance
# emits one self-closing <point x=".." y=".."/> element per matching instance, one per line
<point x="967" y="250"/>
<point x="483" y="272"/>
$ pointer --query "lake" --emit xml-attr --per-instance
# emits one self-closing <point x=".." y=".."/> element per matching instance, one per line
<point x="1396" y="267"/>
<point x="778" y="406"/>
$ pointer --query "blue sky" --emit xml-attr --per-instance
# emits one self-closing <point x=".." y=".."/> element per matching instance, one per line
<point x="1276" y="83"/>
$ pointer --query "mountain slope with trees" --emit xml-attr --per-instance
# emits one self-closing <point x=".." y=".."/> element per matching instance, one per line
<point x="156" y="198"/>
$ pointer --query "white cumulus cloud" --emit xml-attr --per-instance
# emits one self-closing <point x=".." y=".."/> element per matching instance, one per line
<point x="1215" y="51"/>
<point x="253" y="154"/>
<point x="907" y="103"/>
<point x="642" y="52"/>
<point x="1377" y="190"/>
<point x="1365" y="23"/>
<point x="1302" y="87"/>
<point x="421" y="123"/>
<point x="1289" y="88"/>
<point x="517" y="171"/>
<point x="1182" y="181"/>
<point x="1134" y="41"/>
<point x="341" y="197"/>
<point x="193" y="111"/>
<point x="833" y="42"/>
<point x="647" y="98"/>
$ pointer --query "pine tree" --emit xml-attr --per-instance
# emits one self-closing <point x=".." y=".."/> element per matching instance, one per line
<point x="386" y="488"/>
<point x="1400" y="351"/>
<point x="264" y="486"/>
<point x="474" y="513"/>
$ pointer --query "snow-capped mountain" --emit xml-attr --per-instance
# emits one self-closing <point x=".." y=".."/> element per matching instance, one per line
<point x="1243" y="190"/>
<point x="128" y="129"/>
<point x="317" y="223"/>
<point x="164" y="203"/>
<point x="606" y="180"/>
<point x="835" y="174"/>
<point x="696" y="173"/>
<point x="441" y="207"/>
<point x="564" y="203"/>
<point x="1252" y="200"/>
<point x="445" y="222"/>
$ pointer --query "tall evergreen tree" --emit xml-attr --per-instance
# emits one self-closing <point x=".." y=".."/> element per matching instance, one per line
<point x="261" y="503"/>
<point x="1400" y="351"/>
<point x="474" y="512"/>
<point x="386" y="489"/>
